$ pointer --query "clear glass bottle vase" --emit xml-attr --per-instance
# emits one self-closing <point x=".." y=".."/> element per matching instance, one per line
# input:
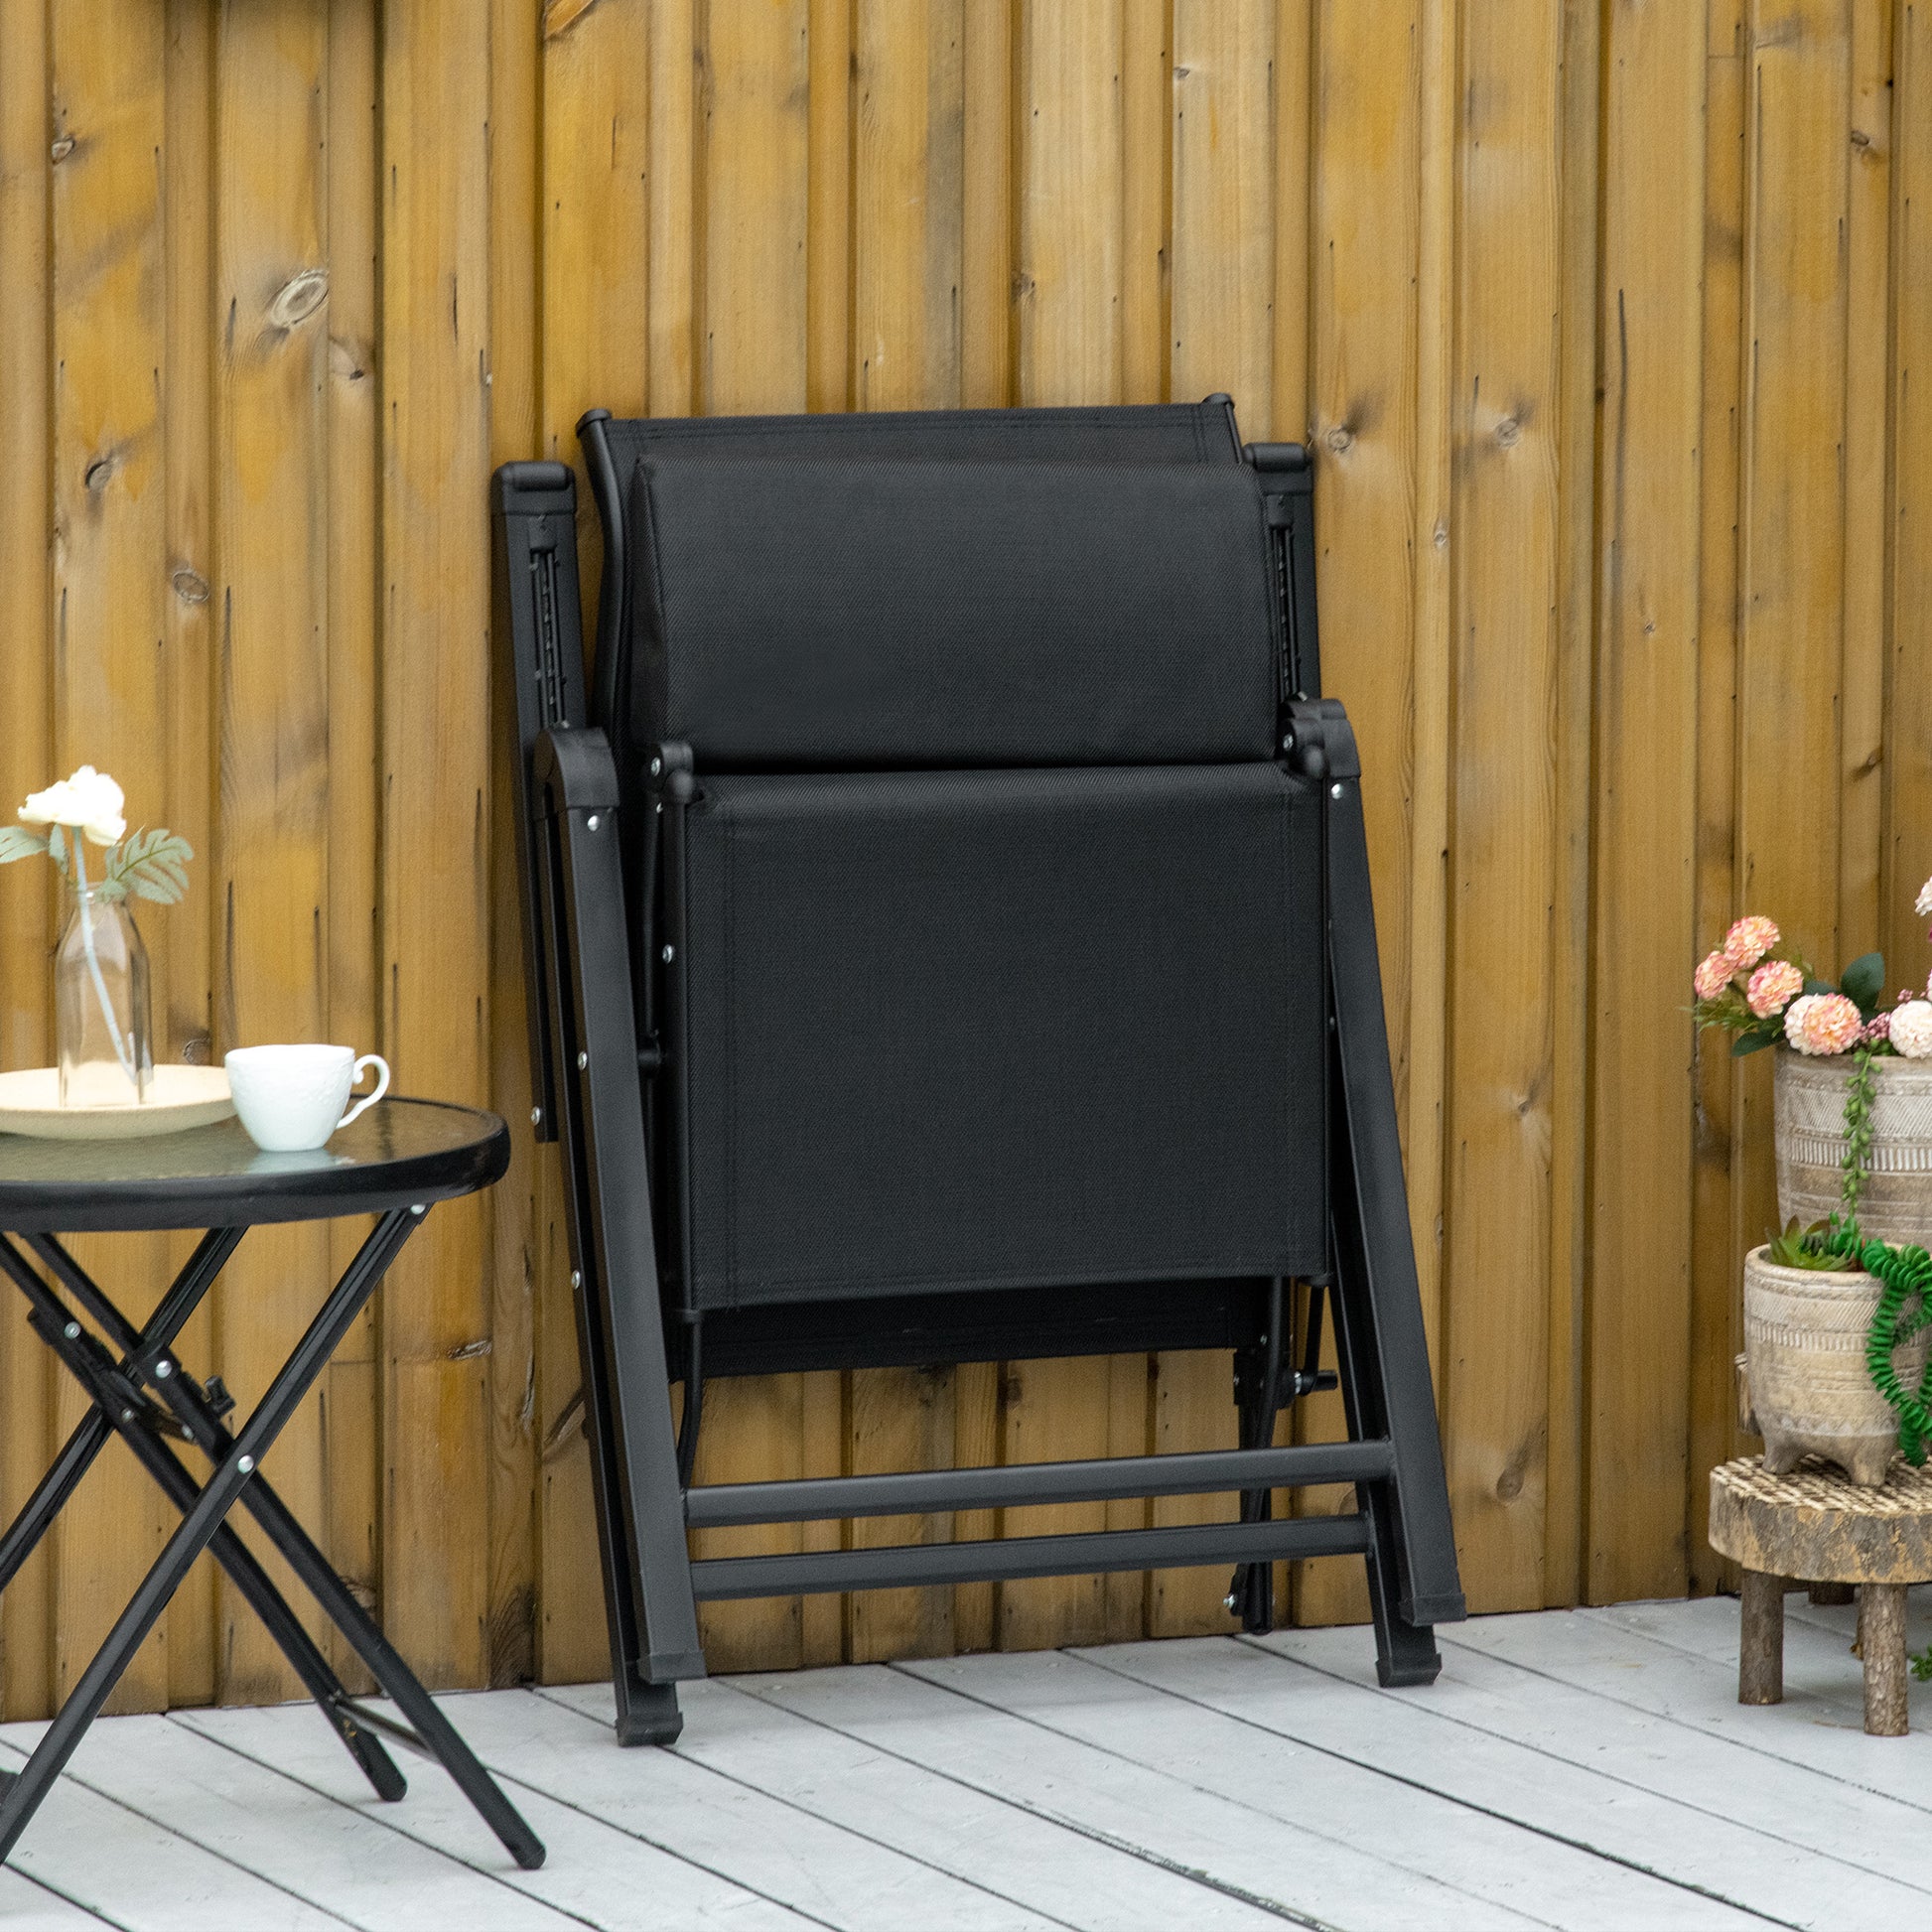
<point x="100" y="1005"/>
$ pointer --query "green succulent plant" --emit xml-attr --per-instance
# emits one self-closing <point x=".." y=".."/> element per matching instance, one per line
<point x="1802" y="1247"/>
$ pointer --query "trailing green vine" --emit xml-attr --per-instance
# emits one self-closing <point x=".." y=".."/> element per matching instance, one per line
<point x="1904" y="1277"/>
<point x="1859" y="1094"/>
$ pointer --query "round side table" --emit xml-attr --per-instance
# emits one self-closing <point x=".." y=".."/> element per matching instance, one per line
<point x="1815" y="1525"/>
<point x="394" y="1161"/>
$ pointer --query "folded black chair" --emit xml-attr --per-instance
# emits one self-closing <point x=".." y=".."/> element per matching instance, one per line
<point x="948" y="939"/>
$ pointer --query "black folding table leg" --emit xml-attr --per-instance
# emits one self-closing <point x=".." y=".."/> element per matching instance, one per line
<point x="258" y="1590"/>
<point x="435" y="1733"/>
<point x="77" y="1454"/>
<point x="230" y="1479"/>
<point x="50" y="1494"/>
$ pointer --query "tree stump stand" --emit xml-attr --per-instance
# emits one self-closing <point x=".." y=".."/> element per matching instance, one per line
<point x="1816" y="1526"/>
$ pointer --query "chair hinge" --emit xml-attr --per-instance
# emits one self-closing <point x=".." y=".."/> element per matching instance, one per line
<point x="1317" y="741"/>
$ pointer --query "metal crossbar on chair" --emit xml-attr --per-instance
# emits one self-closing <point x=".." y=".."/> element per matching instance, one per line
<point x="948" y="938"/>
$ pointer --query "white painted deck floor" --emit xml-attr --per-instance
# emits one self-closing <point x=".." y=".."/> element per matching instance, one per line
<point x="1579" y="1770"/>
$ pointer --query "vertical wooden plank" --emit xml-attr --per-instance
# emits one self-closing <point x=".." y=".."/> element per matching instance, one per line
<point x="435" y="1318"/>
<point x="756" y="73"/>
<point x="271" y="596"/>
<point x="1366" y="184"/>
<point x="1862" y="917"/>
<point x="1067" y="278"/>
<point x="26" y="892"/>
<point x="675" y="187"/>
<point x="752" y="217"/>
<point x="1791" y="568"/>
<point x="522" y="1267"/>
<point x="825" y="1404"/>
<point x="1070" y="349"/>
<point x="594" y="295"/>
<point x="1908" y="706"/>
<point x="829" y="268"/>
<point x="1222" y="134"/>
<point x="1294" y="189"/>
<point x="907" y="207"/>
<point x="351" y="1446"/>
<point x="1148" y="113"/>
<point x="107" y="682"/>
<point x="182" y="973"/>
<point x="1717" y="1320"/>
<point x="1577" y="407"/>
<point x="905" y="237"/>
<point x="986" y="364"/>
<point x="1645" y="799"/>
<point x="1495" y="1348"/>
<point x="986" y="143"/>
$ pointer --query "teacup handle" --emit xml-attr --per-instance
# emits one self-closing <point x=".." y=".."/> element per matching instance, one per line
<point x="381" y="1086"/>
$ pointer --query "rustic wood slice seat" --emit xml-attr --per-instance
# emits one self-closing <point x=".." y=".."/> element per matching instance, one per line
<point x="1816" y="1525"/>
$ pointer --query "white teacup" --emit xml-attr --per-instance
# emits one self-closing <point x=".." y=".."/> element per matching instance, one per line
<point x="290" y="1098"/>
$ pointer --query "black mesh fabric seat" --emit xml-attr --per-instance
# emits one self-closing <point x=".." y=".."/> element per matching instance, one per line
<point x="949" y="939"/>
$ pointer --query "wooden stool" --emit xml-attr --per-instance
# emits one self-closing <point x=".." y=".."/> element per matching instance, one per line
<point x="1816" y="1525"/>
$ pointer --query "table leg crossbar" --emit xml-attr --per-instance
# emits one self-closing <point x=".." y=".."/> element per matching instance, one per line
<point x="195" y="1414"/>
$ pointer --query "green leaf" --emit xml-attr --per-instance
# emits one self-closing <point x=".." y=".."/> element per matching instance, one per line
<point x="150" y="865"/>
<point x="1818" y="986"/>
<point x="16" y="842"/>
<point x="1864" y="982"/>
<point x="1753" y="1042"/>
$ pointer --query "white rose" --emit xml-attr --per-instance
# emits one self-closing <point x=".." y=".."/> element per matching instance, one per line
<point x="1911" y="1029"/>
<point x="90" y="800"/>
<point x="1923" y="908"/>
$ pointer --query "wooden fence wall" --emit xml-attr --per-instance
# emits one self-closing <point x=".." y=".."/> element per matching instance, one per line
<point x="1610" y="321"/>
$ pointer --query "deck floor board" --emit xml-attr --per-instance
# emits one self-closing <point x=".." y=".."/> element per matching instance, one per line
<point x="1587" y="1770"/>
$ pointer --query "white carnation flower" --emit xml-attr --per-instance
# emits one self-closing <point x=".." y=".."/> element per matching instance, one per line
<point x="1923" y="905"/>
<point x="1911" y="1029"/>
<point x="91" y="800"/>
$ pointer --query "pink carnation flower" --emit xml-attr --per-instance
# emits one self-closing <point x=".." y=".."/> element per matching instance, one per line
<point x="1772" y="984"/>
<point x="1713" y="975"/>
<point x="1749" y="940"/>
<point x="1823" y="1023"/>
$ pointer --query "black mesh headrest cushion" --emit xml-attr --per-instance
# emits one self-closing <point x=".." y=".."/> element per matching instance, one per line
<point x="805" y="613"/>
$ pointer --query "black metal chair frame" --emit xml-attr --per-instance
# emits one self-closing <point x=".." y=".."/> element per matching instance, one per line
<point x="596" y="1050"/>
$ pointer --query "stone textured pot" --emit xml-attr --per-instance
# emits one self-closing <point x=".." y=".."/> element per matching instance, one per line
<point x="1804" y="1345"/>
<point x="1810" y="1117"/>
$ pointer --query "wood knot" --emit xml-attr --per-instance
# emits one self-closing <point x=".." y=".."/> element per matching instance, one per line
<point x="1338" y="439"/>
<point x="1509" y="432"/>
<point x="189" y="585"/>
<point x="61" y="149"/>
<point x="1440" y="538"/>
<point x="1509" y="1486"/>
<point x="99" y="472"/>
<point x="299" y="298"/>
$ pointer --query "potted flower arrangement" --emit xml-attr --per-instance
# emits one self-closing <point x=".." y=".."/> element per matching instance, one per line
<point x="1854" y="1140"/>
<point x="1854" y="1078"/>
<point x="100" y="967"/>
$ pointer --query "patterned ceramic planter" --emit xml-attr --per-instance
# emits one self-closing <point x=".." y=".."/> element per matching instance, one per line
<point x="1804" y="1348"/>
<point x="1897" y="1204"/>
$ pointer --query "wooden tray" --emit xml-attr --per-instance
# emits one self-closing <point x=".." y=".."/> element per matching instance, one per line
<point x="178" y="1097"/>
